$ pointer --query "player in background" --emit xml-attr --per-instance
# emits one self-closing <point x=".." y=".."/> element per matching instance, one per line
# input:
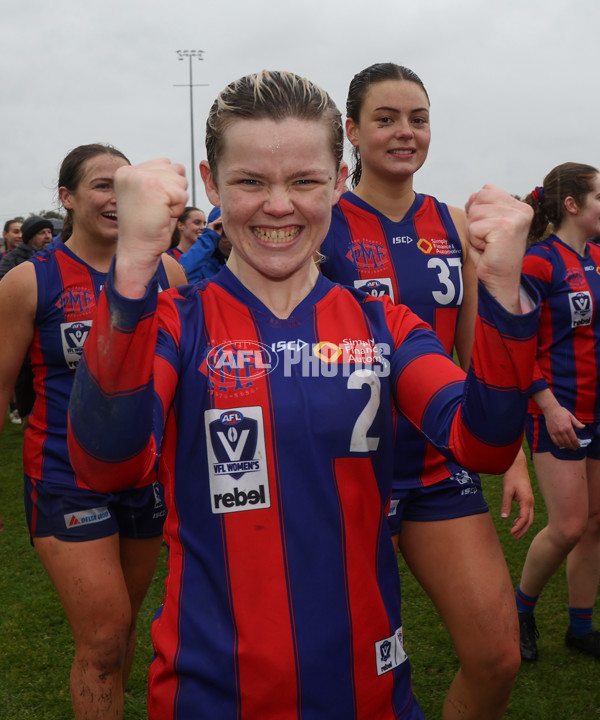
<point x="564" y="413"/>
<point x="388" y="240"/>
<point x="100" y="550"/>
<point x="11" y="236"/>
<point x="188" y="229"/>
<point x="272" y="391"/>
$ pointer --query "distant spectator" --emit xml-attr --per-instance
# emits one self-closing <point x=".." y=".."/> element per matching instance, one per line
<point x="11" y="235"/>
<point x="210" y="251"/>
<point x="190" y="225"/>
<point x="37" y="233"/>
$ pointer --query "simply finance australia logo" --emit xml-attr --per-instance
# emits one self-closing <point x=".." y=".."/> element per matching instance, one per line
<point x="329" y="359"/>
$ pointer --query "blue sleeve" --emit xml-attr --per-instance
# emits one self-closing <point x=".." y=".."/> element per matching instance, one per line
<point x="201" y="252"/>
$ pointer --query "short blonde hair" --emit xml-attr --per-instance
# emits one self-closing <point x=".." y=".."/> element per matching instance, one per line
<point x="275" y="95"/>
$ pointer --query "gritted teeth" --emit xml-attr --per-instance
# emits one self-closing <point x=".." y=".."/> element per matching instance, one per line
<point x="276" y="235"/>
<point x="402" y="152"/>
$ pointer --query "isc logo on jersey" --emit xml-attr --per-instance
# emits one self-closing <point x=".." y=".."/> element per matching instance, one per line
<point x="237" y="463"/>
<point x="377" y="287"/>
<point x="74" y="335"/>
<point x="582" y="308"/>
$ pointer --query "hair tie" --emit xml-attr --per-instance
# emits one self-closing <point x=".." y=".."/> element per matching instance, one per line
<point x="538" y="195"/>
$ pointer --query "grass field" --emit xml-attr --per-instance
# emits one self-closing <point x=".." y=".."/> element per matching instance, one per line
<point x="36" y="647"/>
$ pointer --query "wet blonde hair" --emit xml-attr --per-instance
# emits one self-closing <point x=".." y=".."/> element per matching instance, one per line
<point x="274" y="95"/>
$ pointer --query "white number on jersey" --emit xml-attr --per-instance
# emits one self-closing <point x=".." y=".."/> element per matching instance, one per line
<point x="443" y="268"/>
<point x="359" y="441"/>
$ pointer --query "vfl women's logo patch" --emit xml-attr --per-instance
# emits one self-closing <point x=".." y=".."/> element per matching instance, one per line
<point x="234" y="439"/>
<point x="582" y="308"/>
<point x="377" y="287"/>
<point x="237" y="462"/>
<point x="74" y="335"/>
<point x="389" y="653"/>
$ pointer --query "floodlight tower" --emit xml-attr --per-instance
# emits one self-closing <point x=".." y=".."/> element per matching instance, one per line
<point x="189" y="54"/>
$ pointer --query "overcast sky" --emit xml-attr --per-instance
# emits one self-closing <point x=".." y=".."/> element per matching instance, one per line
<point x="514" y="85"/>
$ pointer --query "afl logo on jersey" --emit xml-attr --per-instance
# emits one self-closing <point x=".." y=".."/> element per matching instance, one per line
<point x="582" y="308"/>
<point x="232" y="417"/>
<point x="237" y="365"/>
<point x="376" y="287"/>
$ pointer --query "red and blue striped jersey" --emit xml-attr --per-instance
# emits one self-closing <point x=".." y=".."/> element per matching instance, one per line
<point x="67" y="293"/>
<point x="569" y="327"/>
<point x="175" y="253"/>
<point x="417" y="262"/>
<point x="276" y="440"/>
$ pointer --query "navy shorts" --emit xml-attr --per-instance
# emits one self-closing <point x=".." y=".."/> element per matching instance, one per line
<point x="539" y="440"/>
<point x="75" y="514"/>
<point x="457" y="496"/>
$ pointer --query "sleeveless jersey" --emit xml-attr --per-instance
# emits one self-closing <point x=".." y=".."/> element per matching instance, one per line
<point x="276" y="448"/>
<point x="175" y="253"/>
<point x="569" y="329"/>
<point x="67" y="290"/>
<point x="417" y="262"/>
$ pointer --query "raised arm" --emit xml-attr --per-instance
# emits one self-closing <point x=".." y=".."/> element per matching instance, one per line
<point x="516" y="483"/>
<point x="497" y="227"/>
<point x="151" y="197"/>
<point x="115" y="378"/>
<point x="480" y="422"/>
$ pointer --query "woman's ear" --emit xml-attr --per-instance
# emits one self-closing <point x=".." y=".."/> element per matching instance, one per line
<point x="210" y="184"/>
<point x="571" y="206"/>
<point x="64" y="196"/>
<point x="352" y="131"/>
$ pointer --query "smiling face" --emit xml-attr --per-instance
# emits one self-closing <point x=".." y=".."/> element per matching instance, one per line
<point x="192" y="227"/>
<point x="587" y="215"/>
<point x="13" y="235"/>
<point x="276" y="184"/>
<point x="393" y="132"/>
<point x="93" y="203"/>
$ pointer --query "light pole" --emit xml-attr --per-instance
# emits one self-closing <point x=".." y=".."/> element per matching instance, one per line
<point x="191" y="54"/>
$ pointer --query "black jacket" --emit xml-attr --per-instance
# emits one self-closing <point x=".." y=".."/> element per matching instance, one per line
<point x="15" y="257"/>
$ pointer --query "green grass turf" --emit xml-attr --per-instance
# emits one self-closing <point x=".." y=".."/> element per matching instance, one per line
<point x="36" y="647"/>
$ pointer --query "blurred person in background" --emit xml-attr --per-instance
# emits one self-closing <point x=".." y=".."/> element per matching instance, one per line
<point x="11" y="236"/>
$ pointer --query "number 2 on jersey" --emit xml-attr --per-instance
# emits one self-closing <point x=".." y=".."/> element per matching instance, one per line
<point x="359" y="442"/>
